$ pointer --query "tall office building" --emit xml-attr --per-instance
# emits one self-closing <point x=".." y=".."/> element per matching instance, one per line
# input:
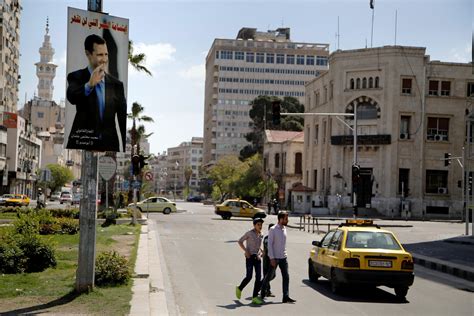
<point x="9" y="54"/>
<point x="239" y="70"/>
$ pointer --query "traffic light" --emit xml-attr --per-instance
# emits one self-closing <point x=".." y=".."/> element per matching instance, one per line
<point x="447" y="159"/>
<point x="276" y="112"/>
<point x="355" y="174"/>
<point x="142" y="162"/>
<point x="136" y="165"/>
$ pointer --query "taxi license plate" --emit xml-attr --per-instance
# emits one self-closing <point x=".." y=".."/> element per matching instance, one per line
<point x="380" y="264"/>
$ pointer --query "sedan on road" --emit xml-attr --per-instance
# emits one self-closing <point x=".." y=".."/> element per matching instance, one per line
<point x="238" y="208"/>
<point x="65" y="198"/>
<point x="16" y="200"/>
<point x="362" y="254"/>
<point x="155" y="204"/>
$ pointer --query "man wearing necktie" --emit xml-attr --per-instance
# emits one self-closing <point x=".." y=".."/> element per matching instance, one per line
<point x="101" y="108"/>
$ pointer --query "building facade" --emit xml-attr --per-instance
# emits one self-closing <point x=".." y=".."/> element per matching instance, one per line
<point x="9" y="54"/>
<point x="239" y="70"/>
<point x="410" y="112"/>
<point x="159" y="168"/>
<point x="282" y="160"/>
<point x="187" y="157"/>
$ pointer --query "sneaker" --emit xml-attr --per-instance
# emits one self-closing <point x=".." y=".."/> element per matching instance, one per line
<point x="238" y="292"/>
<point x="257" y="300"/>
<point x="288" y="300"/>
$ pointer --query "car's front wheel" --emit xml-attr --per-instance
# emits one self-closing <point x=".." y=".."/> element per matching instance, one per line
<point x="401" y="291"/>
<point x="312" y="274"/>
<point x="167" y="210"/>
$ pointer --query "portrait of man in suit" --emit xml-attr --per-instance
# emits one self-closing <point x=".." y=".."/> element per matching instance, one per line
<point x="99" y="99"/>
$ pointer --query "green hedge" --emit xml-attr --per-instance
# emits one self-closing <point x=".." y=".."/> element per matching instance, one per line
<point x="111" y="269"/>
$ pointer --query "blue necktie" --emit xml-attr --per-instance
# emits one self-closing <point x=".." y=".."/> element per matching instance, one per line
<point x="99" y="90"/>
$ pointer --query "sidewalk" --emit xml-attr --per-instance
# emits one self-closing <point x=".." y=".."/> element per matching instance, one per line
<point x="148" y="293"/>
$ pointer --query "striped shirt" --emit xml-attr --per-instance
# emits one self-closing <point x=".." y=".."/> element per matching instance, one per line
<point x="254" y="241"/>
<point x="277" y="242"/>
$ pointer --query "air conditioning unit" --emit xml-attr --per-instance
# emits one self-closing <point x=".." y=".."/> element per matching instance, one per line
<point x="442" y="190"/>
<point x="404" y="136"/>
<point x="439" y="137"/>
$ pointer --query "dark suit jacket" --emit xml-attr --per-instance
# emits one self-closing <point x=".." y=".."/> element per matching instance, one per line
<point x="88" y="130"/>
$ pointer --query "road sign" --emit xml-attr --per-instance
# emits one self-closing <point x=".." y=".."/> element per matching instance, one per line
<point x="149" y="176"/>
<point x="107" y="167"/>
<point x="136" y="184"/>
<point x="45" y="175"/>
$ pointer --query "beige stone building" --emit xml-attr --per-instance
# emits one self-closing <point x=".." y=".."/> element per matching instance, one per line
<point x="411" y="111"/>
<point x="282" y="160"/>
<point x="10" y="11"/>
<point x="186" y="155"/>
<point x="239" y="70"/>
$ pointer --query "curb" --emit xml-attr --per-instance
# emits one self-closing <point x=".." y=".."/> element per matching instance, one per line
<point x="458" y="270"/>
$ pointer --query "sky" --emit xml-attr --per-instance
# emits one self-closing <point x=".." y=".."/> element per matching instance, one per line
<point x="176" y="36"/>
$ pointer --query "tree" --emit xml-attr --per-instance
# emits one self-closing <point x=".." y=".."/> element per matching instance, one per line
<point x="60" y="175"/>
<point x="137" y="60"/>
<point x="225" y="173"/>
<point x="257" y="114"/>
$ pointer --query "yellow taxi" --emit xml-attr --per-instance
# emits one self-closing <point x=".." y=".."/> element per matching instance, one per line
<point x="17" y="200"/>
<point x="359" y="252"/>
<point x="238" y="208"/>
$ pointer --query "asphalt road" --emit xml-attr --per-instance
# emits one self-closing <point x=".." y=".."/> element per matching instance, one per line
<point x="203" y="264"/>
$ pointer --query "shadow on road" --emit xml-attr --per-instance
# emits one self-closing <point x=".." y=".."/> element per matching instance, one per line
<point x="352" y="294"/>
<point x="236" y="305"/>
<point x="71" y="296"/>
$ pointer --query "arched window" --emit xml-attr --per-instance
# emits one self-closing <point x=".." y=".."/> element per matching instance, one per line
<point x="366" y="111"/>
<point x="358" y="83"/>
<point x="376" y="82"/>
<point x="371" y="83"/>
<point x="277" y="161"/>
<point x="298" y="163"/>
<point x="352" y="84"/>
<point x="364" y="83"/>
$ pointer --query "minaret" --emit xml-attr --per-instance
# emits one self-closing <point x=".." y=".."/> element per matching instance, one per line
<point x="45" y="69"/>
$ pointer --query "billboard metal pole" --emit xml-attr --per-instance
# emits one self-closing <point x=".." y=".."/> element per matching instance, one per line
<point x="88" y="209"/>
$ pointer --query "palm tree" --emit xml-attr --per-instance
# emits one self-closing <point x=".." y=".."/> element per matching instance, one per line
<point x="137" y="60"/>
<point x="137" y="116"/>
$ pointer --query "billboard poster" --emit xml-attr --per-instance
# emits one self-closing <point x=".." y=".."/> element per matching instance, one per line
<point x="10" y="120"/>
<point x="96" y="87"/>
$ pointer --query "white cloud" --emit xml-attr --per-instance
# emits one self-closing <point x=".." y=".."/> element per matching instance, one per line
<point x="460" y="55"/>
<point x="61" y="62"/>
<point x="155" y="54"/>
<point x="195" y="73"/>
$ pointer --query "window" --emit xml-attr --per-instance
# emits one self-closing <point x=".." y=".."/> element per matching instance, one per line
<point x="352" y="84"/>
<point x="445" y="88"/>
<point x="331" y="90"/>
<point x="300" y="60"/>
<point x="316" y="133"/>
<point x="438" y="128"/>
<point x="327" y="239"/>
<point x="470" y="89"/>
<point x="315" y="179"/>
<point x="376" y="82"/>
<point x="437" y="181"/>
<point x="270" y="58"/>
<point x="405" y="127"/>
<point x="290" y="59"/>
<point x="366" y="111"/>
<point x="283" y="163"/>
<point x="371" y="83"/>
<point x="260" y="58"/>
<point x="324" y="132"/>
<point x="335" y="243"/>
<point x="433" y="87"/>
<point x="226" y="54"/>
<point x="298" y="163"/>
<point x="239" y="55"/>
<point x="310" y="60"/>
<point x="40" y="115"/>
<point x="358" y="83"/>
<point x="403" y="178"/>
<point x="364" y="83"/>
<point x="250" y="57"/>
<point x="321" y="61"/>
<point x="280" y="58"/>
<point x="406" y="86"/>
<point x="277" y="161"/>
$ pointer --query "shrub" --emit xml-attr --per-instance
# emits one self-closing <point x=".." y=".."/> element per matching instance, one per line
<point x="27" y="253"/>
<point x="68" y="225"/>
<point x="68" y="212"/>
<point x="27" y="223"/>
<point x="111" y="269"/>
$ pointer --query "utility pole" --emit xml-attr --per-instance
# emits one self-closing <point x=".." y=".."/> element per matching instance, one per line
<point x="88" y="209"/>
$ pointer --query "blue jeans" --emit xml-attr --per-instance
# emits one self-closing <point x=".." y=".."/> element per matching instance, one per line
<point x="283" y="264"/>
<point x="252" y="263"/>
